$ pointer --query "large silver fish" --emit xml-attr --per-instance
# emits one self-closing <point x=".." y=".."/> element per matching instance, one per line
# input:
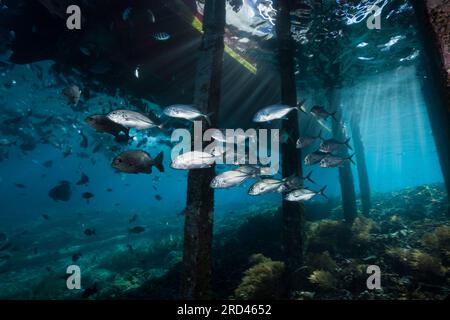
<point x="315" y="157"/>
<point x="193" y="160"/>
<point x="132" y="119"/>
<point x="266" y="186"/>
<point x="304" y="194"/>
<point x="332" y="145"/>
<point x="333" y="161"/>
<point x="275" y="112"/>
<point x="322" y="114"/>
<point x="184" y="111"/>
<point x="306" y="141"/>
<point x="229" y="179"/>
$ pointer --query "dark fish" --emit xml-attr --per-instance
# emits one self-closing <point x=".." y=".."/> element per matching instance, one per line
<point x="45" y="216"/>
<point x="320" y="113"/>
<point x="35" y="251"/>
<point x="133" y="218"/>
<point x="61" y="192"/>
<point x="84" y="141"/>
<point x="97" y="148"/>
<point x="130" y="248"/>
<point x="48" y="164"/>
<point x="76" y="256"/>
<point x="20" y="185"/>
<point x="90" y="232"/>
<point x="87" y="196"/>
<point x="137" y="162"/>
<point x="109" y="190"/>
<point x="67" y="153"/>
<point x="102" y="123"/>
<point x="158" y="197"/>
<point x="137" y="229"/>
<point x="117" y="204"/>
<point x="84" y="180"/>
<point x="89" y="291"/>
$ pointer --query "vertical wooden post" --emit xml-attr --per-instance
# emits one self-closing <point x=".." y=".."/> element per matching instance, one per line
<point x="436" y="85"/>
<point x="196" y="278"/>
<point x="345" y="172"/>
<point x="293" y="212"/>
<point x="364" y="186"/>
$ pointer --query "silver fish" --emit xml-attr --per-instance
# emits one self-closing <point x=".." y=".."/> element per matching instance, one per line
<point x="193" y="160"/>
<point x="306" y="141"/>
<point x="266" y="186"/>
<point x="304" y="194"/>
<point x="137" y="161"/>
<point x="132" y="119"/>
<point x="229" y="179"/>
<point x="183" y="111"/>
<point x="332" y="145"/>
<point x="275" y="112"/>
<point x="321" y="113"/>
<point x="315" y="157"/>
<point x="333" y="161"/>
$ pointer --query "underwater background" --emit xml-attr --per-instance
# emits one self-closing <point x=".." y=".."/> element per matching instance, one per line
<point x="95" y="221"/>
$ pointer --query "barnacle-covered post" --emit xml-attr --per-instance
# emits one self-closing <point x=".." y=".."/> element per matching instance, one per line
<point x="198" y="227"/>
<point x="345" y="172"/>
<point x="364" y="186"/>
<point x="434" y="29"/>
<point x="293" y="212"/>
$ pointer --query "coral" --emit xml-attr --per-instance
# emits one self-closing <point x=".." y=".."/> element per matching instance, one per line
<point x="262" y="280"/>
<point x="323" y="261"/>
<point x="423" y="263"/>
<point x="361" y="229"/>
<point x="323" y="279"/>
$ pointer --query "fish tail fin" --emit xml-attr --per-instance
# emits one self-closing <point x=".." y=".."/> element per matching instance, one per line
<point x="158" y="162"/>
<point x="300" y="106"/>
<point x="321" y="192"/>
<point x="308" y="177"/>
<point x="208" y="117"/>
<point x="351" y="159"/>
<point x="347" y="145"/>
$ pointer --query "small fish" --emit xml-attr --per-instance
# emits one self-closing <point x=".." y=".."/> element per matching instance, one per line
<point x="158" y="197"/>
<point x="20" y="185"/>
<point x="320" y="113"/>
<point x="109" y="190"/>
<point x="84" y="180"/>
<point x="276" y="112"/>
<point x="133" y="218"/>
<point x="193" y="160"/>
<point x="84" y="141"/>
<point x="161" y="36"/>
<point x="61" y="192"/>
<point x="89" y="232"/>
<point x="72" y="94"/>
<point x="102" y="123"/>
<point x="138" y="162"/>
<point x="315" y="157"/>
<point x="76" y="256"/>
<point x="132" y="119"/>
<point x="304" y="194"/>
<point x="332" y="145"/>
<point x="188" y="112"/>
<point x="335" y="161"/>
<point x="136" y="230"/>
<point x="97" y="147"/>
<point x="229" y="179"/>
<point x="7" y="143"/>
<point x="87" y="196"/>
<point x="306" y="141"/>
<point x="48" y="164"/>
<point x="45" y="216"/>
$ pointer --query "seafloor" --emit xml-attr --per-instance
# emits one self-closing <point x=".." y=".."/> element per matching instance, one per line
<point x="407" y="235"/>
